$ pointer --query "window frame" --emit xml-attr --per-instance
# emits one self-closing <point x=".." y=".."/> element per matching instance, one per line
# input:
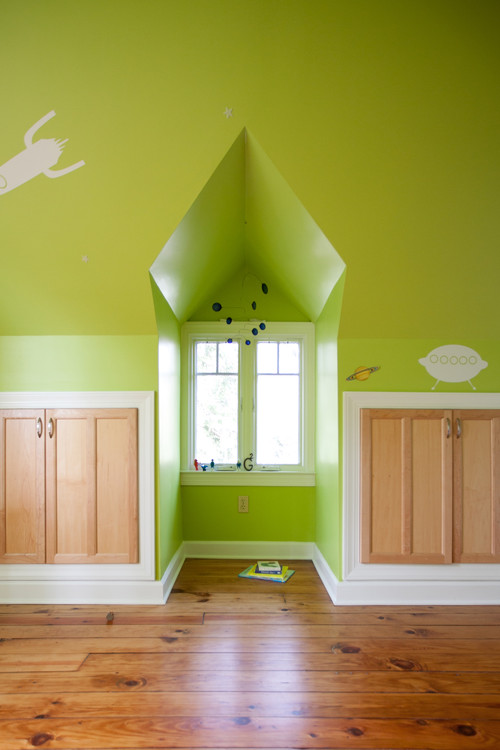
<point x="192" y="332"/>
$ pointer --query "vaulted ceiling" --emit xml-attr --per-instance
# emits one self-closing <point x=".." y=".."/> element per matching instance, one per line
<point x="247" y="217"/>
<point x="381" y="117"/>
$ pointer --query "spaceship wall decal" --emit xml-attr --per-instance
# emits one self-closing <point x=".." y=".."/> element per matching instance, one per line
<point x="453" y="363"/>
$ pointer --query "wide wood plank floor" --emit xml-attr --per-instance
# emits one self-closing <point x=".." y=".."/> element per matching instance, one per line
<point x="234" y="663"/>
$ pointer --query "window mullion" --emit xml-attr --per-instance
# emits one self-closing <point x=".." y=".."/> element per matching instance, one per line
<point x="247" y="412"/>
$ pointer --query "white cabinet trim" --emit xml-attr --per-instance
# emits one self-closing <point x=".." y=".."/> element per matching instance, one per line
<point x="436" y="578"/>
<point x="144" y="570"/>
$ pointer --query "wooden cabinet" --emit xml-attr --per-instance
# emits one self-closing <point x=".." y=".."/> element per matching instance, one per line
<point x="22" y="486"/>
<point x="430" y="489"/>
<point x="68" y="491"/>
<point x="476" y="467"/>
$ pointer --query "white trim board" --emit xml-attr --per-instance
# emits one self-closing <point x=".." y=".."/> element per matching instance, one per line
<point x="81" y="592"/>
<point x="249" y="550"/>
<point x="46" y="584"/>
<point x="411" y="584"/>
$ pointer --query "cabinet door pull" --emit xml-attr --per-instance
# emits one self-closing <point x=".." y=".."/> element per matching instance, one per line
<point x="448" y="427"/>
<point x="459" y="427"/>
<point x="50" y="428"/>
<point x="39" y="427"/>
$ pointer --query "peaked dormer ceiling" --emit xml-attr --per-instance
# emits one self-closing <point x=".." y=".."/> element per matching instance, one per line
<point x="247" y="217"/>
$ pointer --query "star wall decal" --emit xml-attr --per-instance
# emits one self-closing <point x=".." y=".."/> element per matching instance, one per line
<point x="228" y="112"/>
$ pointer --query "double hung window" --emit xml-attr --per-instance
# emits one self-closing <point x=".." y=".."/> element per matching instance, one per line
<point x="249" y="398"/>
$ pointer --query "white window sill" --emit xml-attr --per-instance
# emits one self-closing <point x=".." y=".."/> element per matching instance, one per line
<point x="248" y="478"/>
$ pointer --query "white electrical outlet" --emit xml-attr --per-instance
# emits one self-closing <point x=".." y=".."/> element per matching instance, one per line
<point x="243" y="504"/>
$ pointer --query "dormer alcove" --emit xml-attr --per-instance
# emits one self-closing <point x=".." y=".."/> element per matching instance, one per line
<point x="246" y="226"/>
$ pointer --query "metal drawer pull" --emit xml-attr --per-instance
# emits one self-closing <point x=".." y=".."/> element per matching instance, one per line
<point x="448" y="427"/>
<point x="51" y="428"/>
<point x="459" y="428"/>
<point x="39" y="427"/>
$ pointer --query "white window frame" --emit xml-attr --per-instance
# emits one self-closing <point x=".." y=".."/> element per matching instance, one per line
<point x="298" y="474"/>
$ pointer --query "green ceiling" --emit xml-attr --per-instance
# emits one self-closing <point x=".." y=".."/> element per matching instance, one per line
<point x="246" y="217"/>
<point x="380" y="116"/>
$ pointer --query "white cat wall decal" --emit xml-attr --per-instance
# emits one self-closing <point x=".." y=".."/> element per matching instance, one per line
<point x="37" y="158"/>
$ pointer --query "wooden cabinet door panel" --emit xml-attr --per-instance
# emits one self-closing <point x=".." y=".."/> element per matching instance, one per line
<point x="406" y="486"/>
<point x="92" y="486"/>
<point x="477" y="486"/>
<point x="22" y="486"/>
<point x="116" y="482"/>
<point x="382" y="488"/>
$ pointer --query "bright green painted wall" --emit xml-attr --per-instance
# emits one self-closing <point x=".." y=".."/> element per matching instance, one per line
<point x="328" y="488"/>
<point x="168" y="501"/>
<point x="275" y="514"/>
<point x="78" y="363"/>
<point x="237" y="296"/>
<point x="401" y="371"/>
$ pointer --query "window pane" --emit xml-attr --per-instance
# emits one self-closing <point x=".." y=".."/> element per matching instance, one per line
<point x="267" y="356"/>
<point x="206" y="356"/>
<point x="289" y="361"/>
<point x="228" y="357"/>
<point x="216" y="418"/>
<point x="278" y="419"/>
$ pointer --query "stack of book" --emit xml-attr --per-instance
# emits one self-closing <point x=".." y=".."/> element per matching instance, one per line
<point x="268" y="570"/>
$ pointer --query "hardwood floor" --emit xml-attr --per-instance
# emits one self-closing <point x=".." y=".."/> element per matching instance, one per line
<point x="235" y="663"/>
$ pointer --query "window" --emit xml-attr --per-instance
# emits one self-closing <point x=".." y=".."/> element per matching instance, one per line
<point x="216" y="401"/>
<point x="251" y="400"/>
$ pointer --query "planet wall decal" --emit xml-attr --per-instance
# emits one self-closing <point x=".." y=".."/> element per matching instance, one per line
<point x="362" y="373"/>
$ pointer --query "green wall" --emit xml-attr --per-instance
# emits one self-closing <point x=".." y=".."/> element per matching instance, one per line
<point x="78" y="363"/>
<point x="328" y="532"/>
<point x="168" y="501"/>
<point x="400" y="369"/>
<point x="276" y="514"/>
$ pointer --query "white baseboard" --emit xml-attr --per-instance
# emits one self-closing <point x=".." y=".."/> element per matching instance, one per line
<point x="81" y="592"/>
<point x="417" y="593"/>
<point x="406" y="592"/>
<point x="481" y="591"/>
<point x="328" y="578"/>
<point x="172" y="571"/>
<point x="249" y="550"/>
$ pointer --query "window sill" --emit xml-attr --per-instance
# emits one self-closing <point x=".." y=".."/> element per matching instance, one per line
<point x="248" y="478"/>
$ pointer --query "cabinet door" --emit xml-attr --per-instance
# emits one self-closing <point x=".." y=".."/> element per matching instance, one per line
<point x="477" y="486"/>
<point x="92" y="486"/>
<point x="406" y="486"/>
<point x="22" y="486"/>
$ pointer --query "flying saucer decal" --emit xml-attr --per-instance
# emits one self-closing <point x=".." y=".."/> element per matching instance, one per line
<point x="453" y="364"/>
<point x="362" y="373"/>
